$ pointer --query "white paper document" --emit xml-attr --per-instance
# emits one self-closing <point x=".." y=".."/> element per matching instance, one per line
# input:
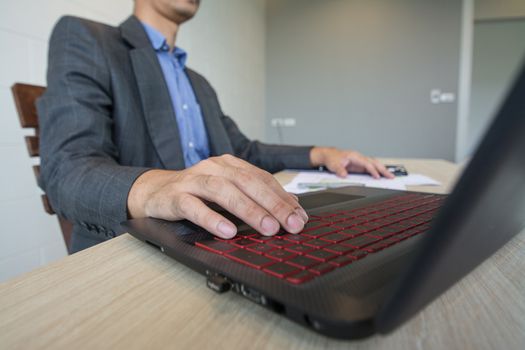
<point x="308" y="181"/>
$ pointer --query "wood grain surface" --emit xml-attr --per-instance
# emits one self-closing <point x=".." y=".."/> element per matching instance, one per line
<point x="123" y="294"/>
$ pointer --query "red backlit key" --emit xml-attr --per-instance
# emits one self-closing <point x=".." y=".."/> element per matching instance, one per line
<point x="249" y="258"/>
<point x="310" y="225"/>
<point x="322" y="268"/>
<point x="280" y="254"/>
<point x="300" y="249"/>
<point x="357" y="254"/>
<point x="360" y="241"/>
<point x="335" y="237"/>
<point x="321" y="254"/>
<point x="262" y="239"/>
<point x="300" y="277"/>
<point x="281" y="269"/>
<point x="375" y="247"/>
<point x="302" y="262"/>
<point x="295" y="238"/>
<point x="321" y="231"/>
<point x="339" y="249"/>
<point x="243" y="242"/>
<point x="341" y="261"/>
<point x="352" y="232"/>
<point x="280" y="243"/>
<point x="218" y="247"/>
<point x="316" y="243"/>
<point x="260" y="248"/>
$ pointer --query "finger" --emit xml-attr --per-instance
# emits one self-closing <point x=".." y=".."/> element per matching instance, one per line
<point x="270" y="181"/>
<point x="342" y="168"/>
<point x="341" y="171"/>
<point x="229" y="166"/>
<point x="267" y="179"/>
<point x="291" y="217"/>
<point x="290" y="198"/>
<point x="223" y="192"/>
<point x="194" y="210"/>
<point x="370" y="168"/>
<point x="382" y="169"/>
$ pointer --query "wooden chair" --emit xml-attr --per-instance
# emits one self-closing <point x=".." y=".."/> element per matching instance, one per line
<point x="25" y="96"/>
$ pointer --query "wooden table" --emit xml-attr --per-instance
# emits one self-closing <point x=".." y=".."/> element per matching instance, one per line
<point x="125" y="295"/>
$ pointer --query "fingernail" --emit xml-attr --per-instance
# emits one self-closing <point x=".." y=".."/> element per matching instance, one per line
<point x="269" y="226"/>
<point x="302" y="213"/>
<point x="295" y="223"/>
<point x="227" y="230"/>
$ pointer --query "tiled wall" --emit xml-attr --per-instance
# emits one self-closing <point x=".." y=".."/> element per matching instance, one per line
<point x="225" y="42"/>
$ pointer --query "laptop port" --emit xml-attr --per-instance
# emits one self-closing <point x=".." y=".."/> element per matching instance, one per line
<point x="312" y="323"/>
<point x="252" y="295"/>
<point x="217" y="283"/>
<point x="276" y="307"/>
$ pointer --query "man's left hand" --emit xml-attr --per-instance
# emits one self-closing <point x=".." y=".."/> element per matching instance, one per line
<point x="342" y="162"/>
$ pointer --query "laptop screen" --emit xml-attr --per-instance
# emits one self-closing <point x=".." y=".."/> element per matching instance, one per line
<point x="485" y="210"/>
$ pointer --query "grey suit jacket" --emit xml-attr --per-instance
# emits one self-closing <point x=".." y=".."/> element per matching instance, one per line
<point x="106" y="117"/>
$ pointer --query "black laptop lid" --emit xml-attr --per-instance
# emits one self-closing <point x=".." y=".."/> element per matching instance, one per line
<point x="485" y="210"/>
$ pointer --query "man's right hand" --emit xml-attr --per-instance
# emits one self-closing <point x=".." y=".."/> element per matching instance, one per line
<point x="251" y="194"/>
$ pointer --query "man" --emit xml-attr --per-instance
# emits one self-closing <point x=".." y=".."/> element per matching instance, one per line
<point x="127" y="131"/>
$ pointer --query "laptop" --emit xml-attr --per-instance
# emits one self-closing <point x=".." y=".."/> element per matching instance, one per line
<point x="368" y="259"/>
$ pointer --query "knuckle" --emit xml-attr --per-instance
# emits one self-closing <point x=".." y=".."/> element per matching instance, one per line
<point x="280" y="208"/>
<point x="183" y="204"/>
<point x="202" y="163"/>
<point x="267" y="177"/>
<point x="253" y="212"/>
<point x="242" y="176"/>
<point x="212" y="162"/>
<point x="227" y="157"/>
<point x="234" y="202"/>
<point x="205" y="162"/>
<point x="212" y="183"/>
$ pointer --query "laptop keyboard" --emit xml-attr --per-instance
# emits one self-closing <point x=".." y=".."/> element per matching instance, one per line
<point x="330" y="240"/>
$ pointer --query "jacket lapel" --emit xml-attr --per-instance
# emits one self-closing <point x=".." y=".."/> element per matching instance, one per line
<point x="154" y="95"/>
<point x="217" y="136"/>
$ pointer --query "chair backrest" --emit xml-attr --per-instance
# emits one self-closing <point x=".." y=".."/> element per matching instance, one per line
<point x="25" y="96"/>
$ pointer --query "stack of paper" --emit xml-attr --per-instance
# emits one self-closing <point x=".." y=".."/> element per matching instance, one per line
<point x="307" y="181"/>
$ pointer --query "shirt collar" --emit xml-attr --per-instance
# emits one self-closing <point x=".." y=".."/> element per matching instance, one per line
<point x="158" y="41"/>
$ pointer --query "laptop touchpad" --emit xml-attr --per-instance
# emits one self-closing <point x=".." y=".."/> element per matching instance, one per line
<point x="316" y="200"/>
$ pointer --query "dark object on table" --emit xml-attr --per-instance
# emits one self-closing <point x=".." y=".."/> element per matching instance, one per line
<point x="397" y="170"/>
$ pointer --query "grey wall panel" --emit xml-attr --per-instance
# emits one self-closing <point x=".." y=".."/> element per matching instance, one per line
<point x="358" y="74"/>
<point x="499" y="49"/>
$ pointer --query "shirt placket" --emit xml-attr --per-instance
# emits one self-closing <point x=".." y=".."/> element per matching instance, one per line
<point x="186" y="113"/>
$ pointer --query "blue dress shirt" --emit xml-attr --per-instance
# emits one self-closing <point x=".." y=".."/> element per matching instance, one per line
<point x="194" y="140"/>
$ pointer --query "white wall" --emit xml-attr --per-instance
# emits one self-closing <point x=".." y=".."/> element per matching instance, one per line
<point x="225" y="42"/>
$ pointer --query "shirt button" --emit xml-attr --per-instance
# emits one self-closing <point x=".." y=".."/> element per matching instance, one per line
<point x="190" y="144"/>
<point x="185" y="106"/>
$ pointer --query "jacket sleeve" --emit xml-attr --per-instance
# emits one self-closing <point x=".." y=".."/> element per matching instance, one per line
<point x="269" y="157"/>
<point x="79" y="160"/>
